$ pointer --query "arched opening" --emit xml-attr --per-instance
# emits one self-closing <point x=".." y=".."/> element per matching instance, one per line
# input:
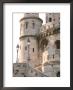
<point x="57" y="43"/>
<point x="44" y="42"/>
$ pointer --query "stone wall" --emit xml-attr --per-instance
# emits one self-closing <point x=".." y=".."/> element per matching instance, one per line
<point x="50" y="51"/>
<point x="30" y="30"/>
<point x="51" y="70"/>
<point x="55" y="19"/>
<point x="33" y="23"/>
<point x="22" y="70"/>
<point x="33" y="54"/>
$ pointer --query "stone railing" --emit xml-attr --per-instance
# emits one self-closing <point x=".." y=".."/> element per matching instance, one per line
<point x="49" y="31"/>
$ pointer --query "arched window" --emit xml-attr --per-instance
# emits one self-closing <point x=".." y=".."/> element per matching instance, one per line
<point x="50" y="19"/>
<point x="57" y="43"/>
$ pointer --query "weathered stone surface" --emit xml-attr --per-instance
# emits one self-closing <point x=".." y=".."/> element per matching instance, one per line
<point x="42" y="57"/>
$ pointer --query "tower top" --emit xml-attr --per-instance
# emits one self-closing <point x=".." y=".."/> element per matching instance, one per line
<point x="31" y="15"/>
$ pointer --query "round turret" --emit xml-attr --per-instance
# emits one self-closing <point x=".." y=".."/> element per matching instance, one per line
<point x="30" y="24"/>
<point x="29" y="29"/>
<point x="31" y="15"/>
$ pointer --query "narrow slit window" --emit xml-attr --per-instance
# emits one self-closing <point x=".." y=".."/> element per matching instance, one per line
<point x="33" y="49"/>
<point x="26" y="25"/>
<point x="53" y="56"/>
<point x="33" y="25"/>
<point x="50" y="19"/>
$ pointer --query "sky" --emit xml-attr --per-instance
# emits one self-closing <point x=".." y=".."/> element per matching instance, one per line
<point x="16" y="30"/>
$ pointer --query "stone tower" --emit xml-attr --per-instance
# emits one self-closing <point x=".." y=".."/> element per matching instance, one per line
<point x="53" y="19"/>
<point x="28" y="47"/>
<point x="50" y="42"/>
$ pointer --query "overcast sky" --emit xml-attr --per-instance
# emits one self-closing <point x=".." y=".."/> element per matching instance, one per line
<point x="16" y="30"/>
